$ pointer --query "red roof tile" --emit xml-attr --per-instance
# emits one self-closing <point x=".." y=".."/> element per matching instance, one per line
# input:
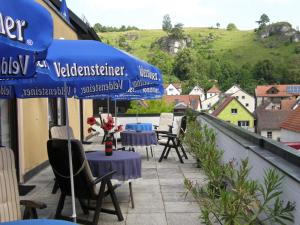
<point x="262" y="91"/>
<point x="214" y="89"/>
<point x="293" y="121"/>
<point x="287" y="104"/>
<point x="222" y="106"/>
<point x="192" y="101"/>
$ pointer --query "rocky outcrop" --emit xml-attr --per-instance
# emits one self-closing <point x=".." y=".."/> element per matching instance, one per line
<point x="132" y="36"/>
<point x="173" y="45"/>
<point x="282" y="30"/>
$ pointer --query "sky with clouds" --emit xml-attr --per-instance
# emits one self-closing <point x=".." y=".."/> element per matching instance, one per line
<point x="148" y="14"/>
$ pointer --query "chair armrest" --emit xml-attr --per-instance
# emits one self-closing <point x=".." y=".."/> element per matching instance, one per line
<point x="33" y="204"/>
<point x="155" y="126"/>
<point x="106" y="176"/>
<point x="86" y="142"/>
<point x="169" y="135"/>
<point x="162" y="132"/>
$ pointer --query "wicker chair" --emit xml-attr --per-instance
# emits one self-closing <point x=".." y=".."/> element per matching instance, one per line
<point x="9" y="195"/>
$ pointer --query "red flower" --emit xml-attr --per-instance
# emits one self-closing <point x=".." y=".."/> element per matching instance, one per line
<point x="119" y="128"/>
<point x="91" y="121"/>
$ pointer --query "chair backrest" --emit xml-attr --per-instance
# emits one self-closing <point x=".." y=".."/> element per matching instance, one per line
<point x="9" y="193"/>
<point x="59" y="161"/>
<point x="182" y="127"/>
<point x="165" y="121"/>
<point x="60" y="132"/>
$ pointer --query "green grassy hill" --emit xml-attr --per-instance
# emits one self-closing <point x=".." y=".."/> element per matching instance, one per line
<point x="240" y="47"/>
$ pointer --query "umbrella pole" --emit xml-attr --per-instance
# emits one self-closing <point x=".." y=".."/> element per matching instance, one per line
<point x="116" y="126"/>
<point x="70" y="154"/>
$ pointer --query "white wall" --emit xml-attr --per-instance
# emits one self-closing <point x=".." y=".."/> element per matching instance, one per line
<point x="232" y="90"/>
<point x="233" y="149"/>
<point x="289" y="136"/>
<point x="209" y="102"/>
<point x="245" y="99"/>
<point x="276" y="134"/>
<point x="198" y="91"/>
<point x="209" y="95"/>
<point x="171" y="90"/>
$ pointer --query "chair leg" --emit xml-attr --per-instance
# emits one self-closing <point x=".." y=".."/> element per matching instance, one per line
<point x="115" y="201"/>
<point x="60" y="205"/>
<point x="178" y="153"/>
<point x="183" y="151"/>
<point x="167" y="153"/>
<point x="147" y="154"/>
<point x="131" y="195"/>
<point x="99" y="203"/>
<point x="55" y="187"/>
<point x="162" y="154"/>
<point x="151" y="151"/>
<point x="83" y="207"/>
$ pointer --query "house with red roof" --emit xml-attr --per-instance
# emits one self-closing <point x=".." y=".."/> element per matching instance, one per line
<point x="275" y="93"/>
<point x="213" y="91"/>
<point x="189" y="101"/>
<point x="290" y="127"/>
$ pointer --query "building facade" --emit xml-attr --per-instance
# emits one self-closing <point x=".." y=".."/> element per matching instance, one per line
<point x="198" y="91"/>
<point x="173" y="89"/>
<point x="25" y="128"/>
<point x="247" y="100"/>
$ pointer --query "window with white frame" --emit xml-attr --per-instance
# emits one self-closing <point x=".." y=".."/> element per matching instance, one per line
<point x="243" y="123"/>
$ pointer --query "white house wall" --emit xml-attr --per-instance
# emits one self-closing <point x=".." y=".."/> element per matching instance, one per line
<point x="208" y="103"/>
<point x="289" y="136"/>
<point x="248" y="99"/>
<point x="232" y="90"/>
<point x="276" y="134"/>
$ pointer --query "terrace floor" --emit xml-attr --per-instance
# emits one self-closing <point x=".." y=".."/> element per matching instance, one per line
<point x="160" y="196"/>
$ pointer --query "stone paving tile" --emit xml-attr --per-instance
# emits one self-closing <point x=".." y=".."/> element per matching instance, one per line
<point x="182" y="207"/>
<point x="183" y="218"/>
<point x="159" y="196"/>
<point x="146" y="219"/>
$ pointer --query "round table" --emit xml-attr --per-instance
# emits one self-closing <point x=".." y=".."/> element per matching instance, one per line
<point x="134" y="138"/>
<point x="126" y="164"/>
<point x="139" y="126"/>
<point x="38" y="222"/>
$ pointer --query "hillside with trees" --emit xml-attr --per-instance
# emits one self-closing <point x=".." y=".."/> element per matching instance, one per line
<point x="206" y="56"/>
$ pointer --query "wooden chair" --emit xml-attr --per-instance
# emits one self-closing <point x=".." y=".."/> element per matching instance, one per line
<point x="165" y="124"/>
<point x="174" y="141"/>
<point x="84" y="183"/>
<point x="9" y="195"/>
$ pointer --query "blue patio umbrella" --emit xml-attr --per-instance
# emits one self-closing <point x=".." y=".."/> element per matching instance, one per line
<point x="85" y="60"/>
<point x="26" y="31"/>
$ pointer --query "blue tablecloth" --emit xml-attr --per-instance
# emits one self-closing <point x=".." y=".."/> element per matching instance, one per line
<point x="139" y="126"/>
<point x="127" y="164"/>
<point x="143" y="138"/>
<point x="39" y="222"/>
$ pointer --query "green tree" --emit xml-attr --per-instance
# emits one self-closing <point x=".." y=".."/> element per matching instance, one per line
<point x="185" y="64"/>
<point x="164" y="62"/>
<point x="218" y="25"/>
<point x="264" y="71"/>
<point x="231" y="26"/>
<point x="177" y="31"/>
<point x="167" y="24"/>
<point x="262" y="22"/>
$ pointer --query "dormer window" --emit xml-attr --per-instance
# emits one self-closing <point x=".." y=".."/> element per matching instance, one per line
<point x="272" y="90"/>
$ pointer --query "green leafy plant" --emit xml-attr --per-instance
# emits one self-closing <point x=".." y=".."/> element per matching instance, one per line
<point x="230" y="197"/>
<point x="150" y="106"/>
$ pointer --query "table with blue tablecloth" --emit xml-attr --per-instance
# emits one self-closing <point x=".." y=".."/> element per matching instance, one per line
<point x="128" y="166"/>
<point x="139" y="126"/>
<point x="143" y="138"/>
<point x="39" y="222"/>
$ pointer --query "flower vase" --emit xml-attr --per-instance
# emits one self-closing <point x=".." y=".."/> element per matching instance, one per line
<point x="109" y="145"/>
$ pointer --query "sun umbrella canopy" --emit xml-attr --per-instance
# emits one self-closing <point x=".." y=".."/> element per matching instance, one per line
<point x="92" y="60"/>
<point x="26" y="31"/>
